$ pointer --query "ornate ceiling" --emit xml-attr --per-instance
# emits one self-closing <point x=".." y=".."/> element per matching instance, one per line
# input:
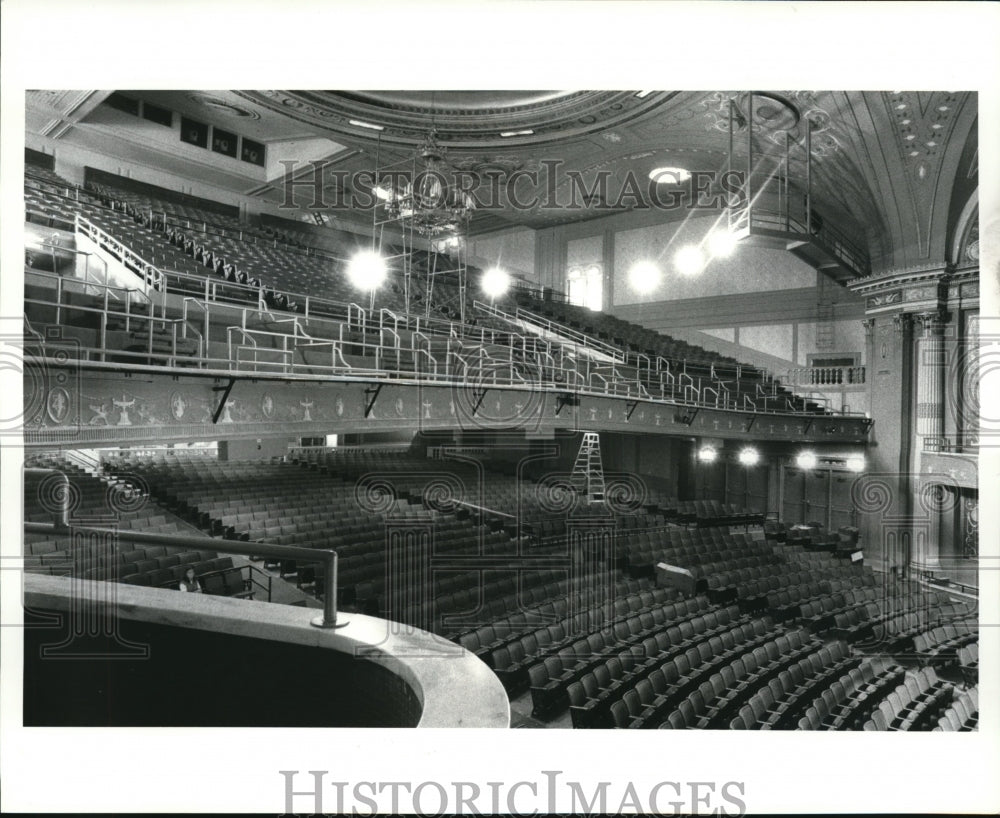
<point x="884" y="162"/>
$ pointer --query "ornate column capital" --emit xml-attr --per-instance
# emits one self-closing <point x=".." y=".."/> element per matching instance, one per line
<point x="869" y="325"/>
<point x="902" y="321"/>
<point x="932" y="323"/>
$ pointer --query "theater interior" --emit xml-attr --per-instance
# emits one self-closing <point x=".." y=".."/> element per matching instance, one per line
<point x="510" y="409"/>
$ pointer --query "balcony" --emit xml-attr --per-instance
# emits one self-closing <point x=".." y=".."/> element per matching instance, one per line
<point x="839" y="376"/>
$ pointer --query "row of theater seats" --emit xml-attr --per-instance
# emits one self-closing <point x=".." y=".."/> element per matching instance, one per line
<point x="161" y="209"/>
<point x="944" y="641"/>
<point x="962" y="716"/>
<point x="143" y="241"/>
<point x="118" y="558"/>
<point x="735" y="378"/>
<point x="287" y="504"/>
<point x="246" y="254"/>
<point x="915" y="704"/>
<point x="535" y="596"/>
<point x="714" y="700"/>
<point x="968" y="661"/>
<point x="780" y="704"/>
<point x="583" y="631"/>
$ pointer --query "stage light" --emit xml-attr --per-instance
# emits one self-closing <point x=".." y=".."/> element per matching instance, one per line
<point x="856" y="462"/>
<point x="495" y="282"/>
<point x="689" y="260"/>
<point x="644" y="277"/>
<point x="806" y="460"/>
<point x="749" y="456"/>
<point x="721" y="243"/>
<point x="707" y="454"/>
<point x="367" y="270"/>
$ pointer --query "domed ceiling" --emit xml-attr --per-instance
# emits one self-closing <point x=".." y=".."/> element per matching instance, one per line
<point x="884" y="163"/>
<point x="463" y="118"/>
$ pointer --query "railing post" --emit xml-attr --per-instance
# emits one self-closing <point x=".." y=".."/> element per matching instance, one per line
<point x="59" y="286"/>
<point x="329" y="617"/>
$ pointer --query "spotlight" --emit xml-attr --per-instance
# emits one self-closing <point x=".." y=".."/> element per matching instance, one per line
<point x="806" y="460"/>
<point x="367" y="270"/>
<point x="689" y="260"/>
<point x="749" y="456"/>
<point x="495" y="282"/>
<point x="856" y="462"/>
<point x="644" y="277"/>
<point x="707" y="454"/>
<point x="721" y="243"/>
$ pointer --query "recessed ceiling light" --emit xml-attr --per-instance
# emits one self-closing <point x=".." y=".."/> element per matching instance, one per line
<point x="368" y="125"/>
<point x="943" y="108"/>
<point x="905" y="121"/>
<point x="937" y="126"/>
<point x="901" y="106"/>
<point x="910" y="136"/>
<point x="914" y="153"/>
<point x="525" y="132"/>
<point x="643" y="94"/>
<point x="931" y="144"/>
<point x="669" y="176"/>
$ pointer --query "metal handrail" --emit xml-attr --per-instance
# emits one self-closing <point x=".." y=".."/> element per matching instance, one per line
<point x="558" y="364"/>
<point x="327" y="556"/>
<point x="150" y="273"/>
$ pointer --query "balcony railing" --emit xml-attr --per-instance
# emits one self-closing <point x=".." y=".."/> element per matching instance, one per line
<point x="824" y="376"/>
<point x="229" y="338"/>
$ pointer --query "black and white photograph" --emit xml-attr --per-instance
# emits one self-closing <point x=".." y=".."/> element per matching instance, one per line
<point x="331" y="417"/>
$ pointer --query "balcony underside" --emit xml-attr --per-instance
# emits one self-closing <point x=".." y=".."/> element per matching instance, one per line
<point x="811" y="249"/>
<point x="94" y="404"/>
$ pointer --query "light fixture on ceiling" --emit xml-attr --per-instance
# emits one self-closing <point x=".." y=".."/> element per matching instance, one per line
<point x="370" y="125"/>
<point x="431" y="203"/>
<point x="670" y="175"/>
<point x="749" y="456"/>
<point x="524" y="132"/>
<point x="642" y="94"/>
<point x="856" y="463"/>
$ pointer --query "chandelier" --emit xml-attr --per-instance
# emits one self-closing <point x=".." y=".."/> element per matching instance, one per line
<point x="429" y="202"/>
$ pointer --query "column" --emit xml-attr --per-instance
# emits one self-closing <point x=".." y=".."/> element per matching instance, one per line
<point x="930" y="381"/>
